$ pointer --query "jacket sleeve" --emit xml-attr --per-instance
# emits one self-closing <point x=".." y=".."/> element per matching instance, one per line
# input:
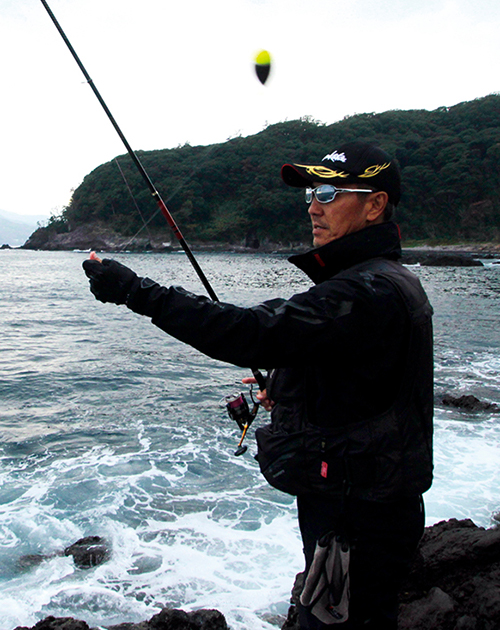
<point x="278" y="332"/>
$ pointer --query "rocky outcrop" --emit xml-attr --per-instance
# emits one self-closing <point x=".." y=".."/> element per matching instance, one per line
<point x="102" y="238"/>
<point x="166" y="619"/>
<point x="468" y="402"/>
<point x="439" y="259"/>
<point x="454" y="584"/>
<point x="87" y="552"/>
<point x="94" y="236"/>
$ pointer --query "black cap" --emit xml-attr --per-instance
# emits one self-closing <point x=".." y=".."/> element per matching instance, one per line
<point x="351" y="163"/>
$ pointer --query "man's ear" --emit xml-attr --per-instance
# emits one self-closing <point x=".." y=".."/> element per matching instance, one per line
<point x="378" y="201"/>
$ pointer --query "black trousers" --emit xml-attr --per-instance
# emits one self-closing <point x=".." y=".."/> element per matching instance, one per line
<point x="383" y="539"/>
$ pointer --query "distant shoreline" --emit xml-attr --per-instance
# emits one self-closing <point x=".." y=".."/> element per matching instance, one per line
<point x="489" y="249"/>
<point x="114" y="243"/>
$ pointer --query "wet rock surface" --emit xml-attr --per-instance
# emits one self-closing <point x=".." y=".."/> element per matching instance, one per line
<point x="468" y="402"/>
<point x="87" y="552"/>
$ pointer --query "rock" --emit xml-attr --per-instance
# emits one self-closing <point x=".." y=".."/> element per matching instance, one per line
<point x="439" y="259"/>
<point x="466" y="623"/>
<point x="463" y="561"/>
<point x="166" y="619"/>
<point x="57" y="623"/>
<point x="429" y="613"/>
<point x="273" y="620"/>
<point x="92" y="236"/>
<point x="469" y="403"/>
<point x="31" y="560"/>
<point x="5" y="246"/>
<point x="88" y="552"/>
<point x="142" y="625"/>
<point x="172" y="619"/>
<point x="97" y="236"/>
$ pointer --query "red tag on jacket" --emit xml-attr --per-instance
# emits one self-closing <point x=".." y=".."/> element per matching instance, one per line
<point x="324" y="469"/>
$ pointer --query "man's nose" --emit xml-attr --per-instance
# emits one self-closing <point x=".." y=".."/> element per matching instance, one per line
<point x="315" y="207"/>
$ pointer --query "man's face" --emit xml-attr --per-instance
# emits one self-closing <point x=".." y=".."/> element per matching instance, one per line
<point x="347" y="213"/>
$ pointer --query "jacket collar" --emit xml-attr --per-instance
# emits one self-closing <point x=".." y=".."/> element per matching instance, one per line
<point x="377" y="241"/>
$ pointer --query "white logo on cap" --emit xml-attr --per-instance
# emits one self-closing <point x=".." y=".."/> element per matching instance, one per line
<point x="335" y="157"/>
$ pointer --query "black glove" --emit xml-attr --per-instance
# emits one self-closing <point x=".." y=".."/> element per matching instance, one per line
<point x="110" y="281"/>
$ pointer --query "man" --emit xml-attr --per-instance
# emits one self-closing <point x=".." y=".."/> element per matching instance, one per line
<point x="351" y="389"/>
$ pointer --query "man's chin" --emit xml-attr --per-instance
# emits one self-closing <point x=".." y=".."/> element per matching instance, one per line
<point x="321" y="237"/>
<point x="318" y="242"/>
<point x="325" y="238"/>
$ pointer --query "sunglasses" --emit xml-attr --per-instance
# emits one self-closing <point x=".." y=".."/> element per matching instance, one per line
<point x="327" y="193"/>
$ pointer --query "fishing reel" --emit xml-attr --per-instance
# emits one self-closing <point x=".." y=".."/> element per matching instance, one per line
<point x="239" y="411"/>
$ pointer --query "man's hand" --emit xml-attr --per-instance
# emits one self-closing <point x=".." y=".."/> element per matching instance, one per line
<point x="110" y="281"/>
<point x="261" y="395"/>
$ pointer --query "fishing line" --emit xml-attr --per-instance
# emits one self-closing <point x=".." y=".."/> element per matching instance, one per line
<point x="145" y="224"/>
<point x="179" y="187"/>
<point x="156" y="195"/>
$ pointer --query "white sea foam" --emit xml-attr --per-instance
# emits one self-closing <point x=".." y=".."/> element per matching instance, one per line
<point x="467" y="469"/>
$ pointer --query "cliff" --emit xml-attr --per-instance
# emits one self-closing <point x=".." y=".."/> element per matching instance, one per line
<point x="94" y="236"/>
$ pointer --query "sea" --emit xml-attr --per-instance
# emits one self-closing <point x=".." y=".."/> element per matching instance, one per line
<point x="109" y="427"/>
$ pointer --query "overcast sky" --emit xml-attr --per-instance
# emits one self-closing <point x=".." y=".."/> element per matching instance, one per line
<point x="176" y="72"/>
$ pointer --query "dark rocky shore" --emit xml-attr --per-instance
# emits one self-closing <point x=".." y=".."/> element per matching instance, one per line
<point x="454" y="584"/>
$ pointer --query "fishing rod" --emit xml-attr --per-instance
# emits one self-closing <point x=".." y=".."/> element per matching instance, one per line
<point x="164" y="210"/>
<point x="137" y="162"/>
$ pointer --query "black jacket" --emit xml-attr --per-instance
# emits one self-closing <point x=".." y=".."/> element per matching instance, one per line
<point x="338" y="351"/>
<point x="352" y="334"/>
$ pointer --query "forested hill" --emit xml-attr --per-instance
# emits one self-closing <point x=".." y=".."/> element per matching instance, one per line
<point x="450" y="161"/>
